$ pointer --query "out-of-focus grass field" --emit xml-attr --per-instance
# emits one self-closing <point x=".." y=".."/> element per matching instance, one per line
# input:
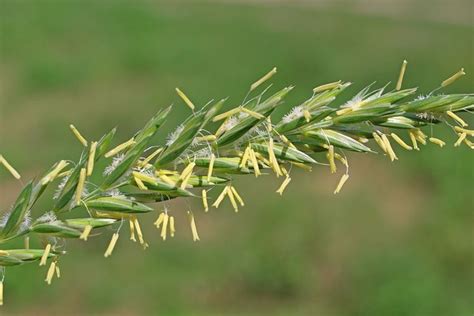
<point x="397" y="241"/>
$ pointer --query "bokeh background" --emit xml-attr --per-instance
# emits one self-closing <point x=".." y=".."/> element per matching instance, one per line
<point x="397" y="241"/>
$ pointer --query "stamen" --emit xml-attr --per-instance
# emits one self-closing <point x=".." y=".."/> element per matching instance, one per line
<point x="232" y="200"/>
<point x="167" y="179"/>
<point x="86" y="232"/>
<point x="80" y="186"/>
<point x="9" y="167"/>
<point x="140" y="183"/>
<point x="139" y="233"/>
<point x="283" y="185"/>
<point x="1" y="293"/>
<point x="45" y="255"/>
<point x="204" y="200"/>
<point x="437" y="141"/>
<point x="453" y="78"/>
<point x="341" y="183"/>
<point x="78" y="135"/>
<point x="90" y="160"/>
<point x="186" y="171"/>
<point x="221" y="197"/>
<point x="151" y="156"/>
<point x="463" y="130"/>
<point x="402" y="74"/>
<point x="172" y="228"/>
<point x="273" y="161"/>
<point x="307" y="116"/>
<point x="327" y="86"/>
<point x="110" y="248"/>
<point x="132" y="230"/>
<point x="255" y="165"/>
<point x="330" y="156"/>
<point x="263" y="79"/>
<point x="456" y="118"/>
<point x="245" y="157"/>
<point x="120" y="148"/>
<point x="50" y="274"/>
<point x="379" y="141"/>
<point x="193" y="226"/>
<point x="227" y="114"/>
<point x="401" y="142"/>
<point x="54" y="173"/>
<point x="165" y="226"/>
<point x="184" y="184"/>
<point x="390" y="151"/>
<point x="185" y="99"/>
<point x="211" y="167"/>
<point x="237" y="196"/>
<point x="253" y="113"/>
<point x="207" y="138"/>
<point x="461" y="138"/>
<point x="160" y="219"/>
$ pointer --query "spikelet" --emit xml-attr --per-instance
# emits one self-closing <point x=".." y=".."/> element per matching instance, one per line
<point x="327" y="86"/>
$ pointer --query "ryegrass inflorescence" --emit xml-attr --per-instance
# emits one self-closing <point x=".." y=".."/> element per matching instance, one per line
<point x="193" y="160"/>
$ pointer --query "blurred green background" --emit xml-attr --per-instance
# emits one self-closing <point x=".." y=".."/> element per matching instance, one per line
<point x="397" y="241"/>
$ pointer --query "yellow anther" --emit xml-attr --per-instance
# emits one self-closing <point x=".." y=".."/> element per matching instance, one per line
<point x="437" y="141"/>
<point x="120" y="148"/>
<point x="140" y="183"/>
<point x="461" y="138"/>
<point x="253" y="113"/>
<point x="227" y="114"/>
<point x="237" y="196"/>
<point x="78" y="135"/>
<point x="379" y="141"/>
<point x="139" y="233"/>
<point x="341" y="183"/>
<point x="184" y="183"/>
<point x="192" y="223"/>
<point x="469" y="132"/>
<point x="283" y="185"/>
<point x="330" y="156"/>
<point x="401" y="142"/>
<point x="263" y="79"/>
<point x="307" y="116"/>
<point x="230" y="194"/>
<point x="186" y="171"/>
<point x="112" y="243"/>
<point x="85" y="233"/>
<point x="91" y="159"/>
<point x="132" y="230"/>
<point x="327" y="86"/>
<point x="80" y="186"/>
<point x="245" y="158"/>
<point x="165" y="226"/>
<point x="160" y="219"/>
<point x="50" y="274"/>
<point x="255" y="165"/>
<point x="204" y="200"/>
<point x="453" y="78"/>
<point x="54" y="173"/>
<point x="221" y="197"/>
<point x="45" y="255"/>
<point x="207" y="138"/>
<point x="172" y="228"/>
<point x="211" y="167"/>
<point x="150" y="157"/>
<point x="455" y="117"/>
<point x="9" y="167"/>
<point x="273" y="161"/>
<point x="389" y="148"/>
<point x="167" y="180"/>
<point x="185" y="98"/>
<point x="402" y="74"/>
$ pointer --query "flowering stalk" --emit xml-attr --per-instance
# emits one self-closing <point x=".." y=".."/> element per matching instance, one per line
<point x="192" y="160"/>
